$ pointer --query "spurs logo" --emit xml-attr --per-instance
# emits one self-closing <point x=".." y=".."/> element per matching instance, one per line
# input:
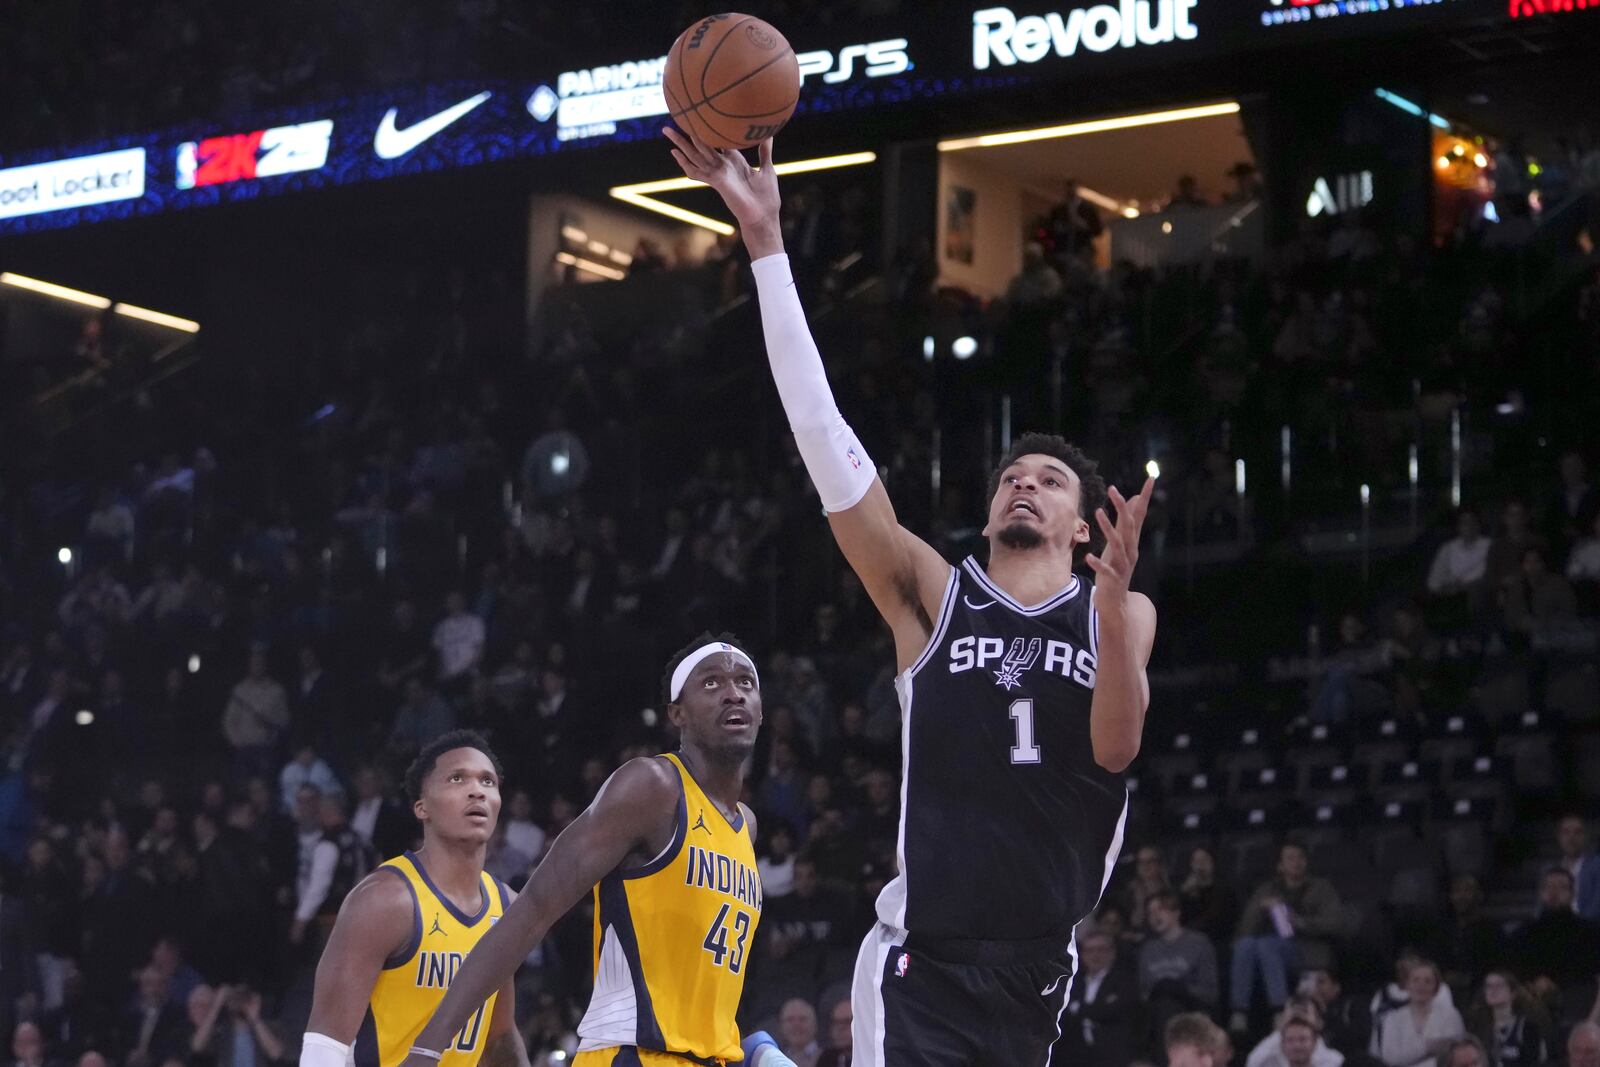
<point x="1021" y="656"/>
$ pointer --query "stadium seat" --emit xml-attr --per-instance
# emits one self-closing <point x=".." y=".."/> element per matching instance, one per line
<point x="1386" y="747"/>
<point x="1585" y="757"/>
<point x="1406" y="782"/>
<point x="1502" y="694"/>
<point x="1573" y="692"/>
<point x="1459" y="738"/>
<point x="1463" y="827"/>
<point x="1528" y="747"/>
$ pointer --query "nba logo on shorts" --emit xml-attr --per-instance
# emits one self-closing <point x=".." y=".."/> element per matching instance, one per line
<point x="855" y="460"/>
<point x="902" y="965"/>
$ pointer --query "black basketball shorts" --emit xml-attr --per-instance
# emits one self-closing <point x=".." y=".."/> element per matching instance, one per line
<point x="929" y="1005"/>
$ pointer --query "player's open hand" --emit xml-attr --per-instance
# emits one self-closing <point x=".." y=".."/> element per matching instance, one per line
<point x="750" y="193"/>
<point x="1113" y="567"/>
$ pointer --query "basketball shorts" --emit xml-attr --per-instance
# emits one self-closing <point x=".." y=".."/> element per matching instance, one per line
<point x="958" y="1004"/>
<point x="628" y="1056"/>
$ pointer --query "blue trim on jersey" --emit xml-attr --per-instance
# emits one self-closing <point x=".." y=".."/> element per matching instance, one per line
<point x="460" y="916"/>
<point x="615" y="915"/>
<point x="505" y="895"/>
<point x="680" y="831"/>
<point x="1055" y="600"/>
<point x="736" y="824"/>
<point x="946" y="609"/>
<point x="365" y="1049"/>
<point x="404" y="955"/>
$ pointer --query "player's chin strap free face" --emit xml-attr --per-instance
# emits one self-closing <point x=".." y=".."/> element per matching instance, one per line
<point x="680" y="673"/>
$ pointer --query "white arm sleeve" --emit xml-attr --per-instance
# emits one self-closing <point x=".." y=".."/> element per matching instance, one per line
<point x="839" y="466"/>
<point x="319" y="1050"/>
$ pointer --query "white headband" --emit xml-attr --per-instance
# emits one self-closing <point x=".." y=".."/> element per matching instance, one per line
<point x="680" y="673"/>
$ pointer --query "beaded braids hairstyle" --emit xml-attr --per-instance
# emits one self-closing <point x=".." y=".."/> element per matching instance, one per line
<point x="428" y="758"/>
<point x="706" y="637"/>
<point x="1091" y="485"/>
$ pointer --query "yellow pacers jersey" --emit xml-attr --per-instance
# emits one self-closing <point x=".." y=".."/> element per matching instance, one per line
<point x="672" y="938"/>
<point x="414" y="980"/>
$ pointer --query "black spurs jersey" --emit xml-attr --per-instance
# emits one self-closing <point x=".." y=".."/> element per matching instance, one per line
<point x="1008" y="827"/>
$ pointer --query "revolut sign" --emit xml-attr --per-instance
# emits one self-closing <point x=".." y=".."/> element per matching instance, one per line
<point x="1000" y="37"/>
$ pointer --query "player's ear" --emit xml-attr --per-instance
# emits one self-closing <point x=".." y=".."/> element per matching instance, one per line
<point x="419" y="809"/>
<point x="675" y="715"/>
<point x="1080" y="533"/>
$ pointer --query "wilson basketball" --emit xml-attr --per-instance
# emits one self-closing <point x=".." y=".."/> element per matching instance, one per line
<point x="731" y="80"/>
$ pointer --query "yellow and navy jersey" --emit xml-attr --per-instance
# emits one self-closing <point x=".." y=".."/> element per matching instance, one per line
<point x="672" y="938"/>
<point x="414" y="980"/>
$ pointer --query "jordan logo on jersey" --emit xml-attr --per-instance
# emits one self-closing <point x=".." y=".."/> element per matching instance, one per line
<point x="1021" y="656"/>
<point x="437" y="929"/>
<point x="700" y="823"/>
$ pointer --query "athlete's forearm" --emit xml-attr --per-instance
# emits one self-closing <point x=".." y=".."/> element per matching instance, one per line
<point x="1121" y="692"/>
<point x="492" y="960"/>
<point x="762" y="239"/>
<point x="833" y="455"/>
<point x="507" y="1050"/>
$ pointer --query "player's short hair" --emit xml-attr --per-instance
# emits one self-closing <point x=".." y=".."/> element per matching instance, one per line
<point x="706" y="637"/>
<point x="1091" y="485"/>
<point x="428" y="758"/>
<point x="1195" y="1029"/>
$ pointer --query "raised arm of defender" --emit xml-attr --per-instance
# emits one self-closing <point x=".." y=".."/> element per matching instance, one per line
<point x="904" y="576"/>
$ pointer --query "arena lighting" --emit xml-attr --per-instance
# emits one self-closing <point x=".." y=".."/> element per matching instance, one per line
<point x="194" y="664"/>
<point x="1411" y="109"/>
<point x="158" y="317"/>
<point x="85" y="717"/>
<point x="591" y="266"/>
<point x="1153" y="469"/>
<point x="64" y="557"/>
<point x="639" y="193"/>
<point x="60" y="292"/>
<point x="965" y="347"/>
<point x="927" y="348"/>
<point x="1074" y="129"/>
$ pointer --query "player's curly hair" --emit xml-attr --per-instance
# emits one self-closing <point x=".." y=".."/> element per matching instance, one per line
<point x="706" y="637"/>
<point x="1091" y="484"/>
<point x="428" y="758"/>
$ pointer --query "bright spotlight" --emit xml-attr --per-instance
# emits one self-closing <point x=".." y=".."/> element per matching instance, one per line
<point x="928" y="348"/>
<point x="194" y="663"/>
<point x="64" y="556"/>
<point x="965" y="347"/>
<point x="1153" y="469"/>
<point x="560" y="462"/>
<point x="85" y="717"/>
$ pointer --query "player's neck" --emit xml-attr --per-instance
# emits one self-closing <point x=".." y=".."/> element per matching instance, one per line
<point x="1029" y="575"/>
<point x="454" y="867"/>
<point x="722" y="777"/>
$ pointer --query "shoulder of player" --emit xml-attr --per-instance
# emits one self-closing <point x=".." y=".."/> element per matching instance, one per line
<point x="382" y="907"/>
<point x="642" y="780"/>
<point x="1138" y="608"/>
<point x="749" y="819"/>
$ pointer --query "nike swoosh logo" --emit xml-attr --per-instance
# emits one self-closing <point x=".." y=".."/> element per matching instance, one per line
<point x="392" y="143"/>
<point x="977" y="607"/>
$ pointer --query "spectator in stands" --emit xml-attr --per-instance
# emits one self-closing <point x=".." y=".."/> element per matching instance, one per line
<point x="1038" y="283"/>
<point x="525" y="835"/>
<point x="837" y="1052"/>
<point x="797" y="1032"/>
<point x="1573" y="507"/>
<point x="339" y="860"/>
<point x="1149" y="878"/>
<point x="1187" y="194"/>
<point x="1466" y="1052"/>
<point x="1177" y="967"/>
<point x="1580" y="861"/>
<point x="1583" y="1045"/>
<point x="1208" y="904"/>
<point x="1193" y="1040"/>
<point x="1512" y="543"/>
<point x="1508" y="1021"/>
<point x="1346" y="1020"/>
<point x="1583" y="569"/>
<point x="1099" y="1027"/>
<point x="422" y="717"/>
<point x="231" y="1031"/>
<point x="28" y="1046"/>
<point x="1286" y="922"/>
<point x="458" y="640"/>
<point x="802" y="926"/>
<point x="1423" y="1029"/>
<point x="1298" y="1043"/>
<point x="1469" y="942"/>
<point x="777" y="860"/>
<point x="152" y="1026"/>
<point x="80" y="1022"/>
<point x="1303" y="1009"/>
<point x="1537" y="597"/>
<point x="383" y="824"/>
<point x="1557" y="950"/>
<point x="1461" y="564"/>
<point x="256" y="715"/>
<point x="1074" y="223"/>
<point x="306" y="768"/>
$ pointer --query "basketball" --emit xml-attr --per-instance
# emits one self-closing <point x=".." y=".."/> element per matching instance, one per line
<point x="731" y="80"/>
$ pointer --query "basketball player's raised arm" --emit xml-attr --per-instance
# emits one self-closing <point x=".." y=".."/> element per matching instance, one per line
<point x="903" y="575"/>
<point x="1127" y="632"/>
<point x="632" y="812"/>
<point x="375" y="921"/>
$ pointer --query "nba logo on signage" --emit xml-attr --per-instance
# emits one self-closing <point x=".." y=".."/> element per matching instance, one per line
<point x="902" y="965"/>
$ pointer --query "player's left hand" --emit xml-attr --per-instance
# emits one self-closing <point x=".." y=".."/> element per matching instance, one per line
<point x="1113" y="566"/>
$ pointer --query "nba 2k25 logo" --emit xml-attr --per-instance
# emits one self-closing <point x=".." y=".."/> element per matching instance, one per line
<point x="999" y="36"/>
<point x="976" y="653"/>
<point x="258" y="154"/>
<point x="880" y="59"/>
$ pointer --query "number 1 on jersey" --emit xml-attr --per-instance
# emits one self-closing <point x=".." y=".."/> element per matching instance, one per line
<point x="1024" y="751"/>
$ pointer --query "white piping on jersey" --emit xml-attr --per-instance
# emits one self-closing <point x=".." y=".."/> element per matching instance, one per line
<point x="893" y="895"/>
<point x="1055" y="600"/>
<point x="612" y="1017"/>
<point x="1105" y="879"/>
<point x="1094" y="630"/>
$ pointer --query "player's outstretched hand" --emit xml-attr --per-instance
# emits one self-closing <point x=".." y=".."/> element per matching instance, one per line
<point x="750" y="193"/>
<point x="1113" y="567"/>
